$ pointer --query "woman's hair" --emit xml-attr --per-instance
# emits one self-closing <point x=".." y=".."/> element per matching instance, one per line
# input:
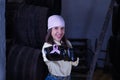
<point x="50" y="40"/>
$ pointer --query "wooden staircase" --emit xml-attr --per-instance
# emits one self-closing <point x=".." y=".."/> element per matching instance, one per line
<point x="89" y="57"/>
<point x="82" y="51"/>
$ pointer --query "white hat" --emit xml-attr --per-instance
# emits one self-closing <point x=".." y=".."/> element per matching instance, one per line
<point x="55" y="20"/>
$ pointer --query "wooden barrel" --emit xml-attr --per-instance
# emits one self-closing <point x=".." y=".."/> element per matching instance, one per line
<point x="25" y="63"/>
<point x="53" y="5"/>
<point x="30" y="25"/>
<point x="11" y="61"/>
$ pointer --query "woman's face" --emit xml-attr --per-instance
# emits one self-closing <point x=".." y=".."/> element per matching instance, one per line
<point x="57" y="33"/>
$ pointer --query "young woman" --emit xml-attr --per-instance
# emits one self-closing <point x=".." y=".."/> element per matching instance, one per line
<point x="57" y="50"/>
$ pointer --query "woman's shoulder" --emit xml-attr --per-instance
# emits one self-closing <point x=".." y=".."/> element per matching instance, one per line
<point x="69" y="43"/>
<point x="46" y="44"/>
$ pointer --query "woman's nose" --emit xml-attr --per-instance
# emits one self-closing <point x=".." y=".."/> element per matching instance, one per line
<point x="60" y="30"/>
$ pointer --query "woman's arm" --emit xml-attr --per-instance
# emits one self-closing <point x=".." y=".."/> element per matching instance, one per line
<point x="44" y="52"/>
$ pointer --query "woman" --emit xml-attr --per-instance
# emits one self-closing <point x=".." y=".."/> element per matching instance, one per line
<point x="57" y="50"/>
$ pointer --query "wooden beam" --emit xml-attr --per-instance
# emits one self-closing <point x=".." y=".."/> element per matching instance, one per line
<point x="2" y="40"/>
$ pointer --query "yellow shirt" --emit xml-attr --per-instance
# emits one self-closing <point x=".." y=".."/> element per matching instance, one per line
<point x="58" y="68"/>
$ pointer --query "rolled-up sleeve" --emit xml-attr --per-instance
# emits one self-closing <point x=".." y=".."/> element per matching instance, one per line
<point x="75" y="63"/>
<point x="44" y="52"/>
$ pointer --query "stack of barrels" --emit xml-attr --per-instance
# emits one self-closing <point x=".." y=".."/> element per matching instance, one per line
<point x="24" y="57"/>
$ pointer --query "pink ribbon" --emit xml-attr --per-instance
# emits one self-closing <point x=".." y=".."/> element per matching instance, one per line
<point x="55" y="49"/>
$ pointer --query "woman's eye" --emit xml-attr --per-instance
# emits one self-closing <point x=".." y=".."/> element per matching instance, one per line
<point x="62" y="28"/>
<point x="56" y="27"/>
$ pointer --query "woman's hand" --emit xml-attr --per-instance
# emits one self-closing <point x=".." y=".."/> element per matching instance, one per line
<point x="75" y="63"/>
